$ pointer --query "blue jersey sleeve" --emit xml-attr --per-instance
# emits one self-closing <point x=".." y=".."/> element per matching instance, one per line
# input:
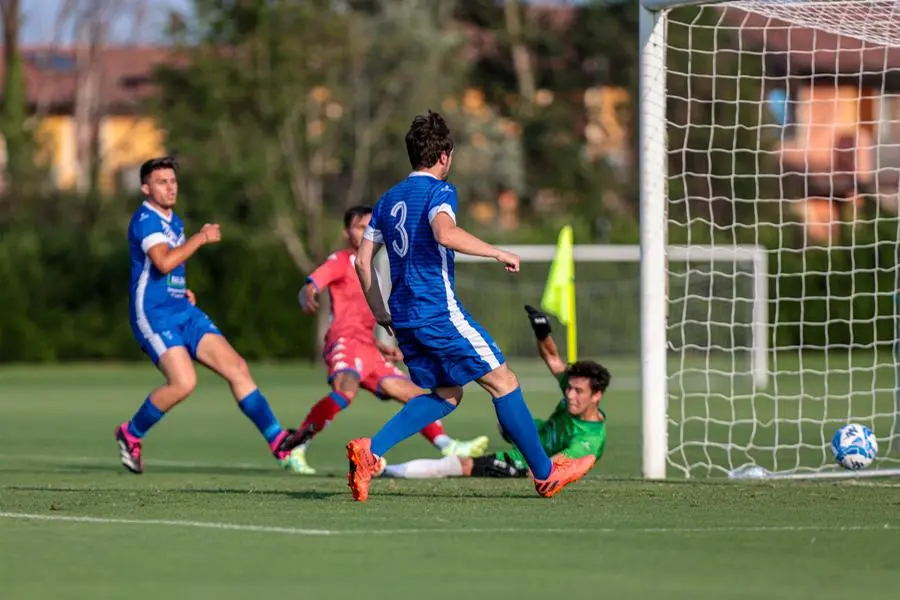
<point x="443" y="199"/>
<point x="149" y="232"/>
<point x="373" y="231"/>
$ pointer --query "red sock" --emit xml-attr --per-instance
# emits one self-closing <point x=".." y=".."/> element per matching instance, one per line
<point x="431" y="432"/>
<point x="321" y="414"/>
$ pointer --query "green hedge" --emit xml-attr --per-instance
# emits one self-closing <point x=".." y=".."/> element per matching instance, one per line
<point x="64" y="293"/>
<point x="64" y="296"/>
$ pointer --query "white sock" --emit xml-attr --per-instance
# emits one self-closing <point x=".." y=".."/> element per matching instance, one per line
<point x="442" y="441"/>
<point x="426" y="468"/>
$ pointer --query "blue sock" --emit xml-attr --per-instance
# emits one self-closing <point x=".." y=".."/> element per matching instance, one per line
<point x="517" y="422"/>
<point x="257" y="409"/>
<point x="416" y="414"/>
<point x="146" y="417"/>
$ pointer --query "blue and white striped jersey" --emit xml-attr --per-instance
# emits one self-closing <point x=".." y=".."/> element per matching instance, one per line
<point x="154" y="296"/>
<point x="422" y="275"/>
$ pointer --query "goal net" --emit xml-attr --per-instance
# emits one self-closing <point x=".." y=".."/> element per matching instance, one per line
<point x="772" y="124"/>
<point x="607" y="293"/>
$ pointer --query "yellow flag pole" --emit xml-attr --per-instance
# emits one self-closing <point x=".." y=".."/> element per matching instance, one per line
<point x="572" y="326"/>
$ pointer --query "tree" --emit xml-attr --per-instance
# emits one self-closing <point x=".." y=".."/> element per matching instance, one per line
<point x="286" y="112"/>
<point x="14" y="110"/>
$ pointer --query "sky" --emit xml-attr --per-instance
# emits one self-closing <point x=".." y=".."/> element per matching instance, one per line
<point x="40" y="15"/>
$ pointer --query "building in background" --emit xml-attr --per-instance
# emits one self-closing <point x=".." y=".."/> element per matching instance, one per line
<point x="838" y="102"/>
<point x="89" y="112"/>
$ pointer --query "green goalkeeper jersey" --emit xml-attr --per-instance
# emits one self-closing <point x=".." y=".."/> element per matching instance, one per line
<point x="564" y="434"/>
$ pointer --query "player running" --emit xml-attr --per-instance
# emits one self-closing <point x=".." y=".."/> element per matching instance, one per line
<point x="167" y="323"/>
<point x="576" y="428"/>
<point x="442" y="345"/>
<point x="353" y="356"/>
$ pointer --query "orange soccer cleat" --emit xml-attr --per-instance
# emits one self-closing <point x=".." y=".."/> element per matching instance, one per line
<point x="564" y="472"/>
<point x="363" y="467"/>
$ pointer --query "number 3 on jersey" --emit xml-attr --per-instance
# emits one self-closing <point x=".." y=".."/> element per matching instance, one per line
<point x="399" y="213"/>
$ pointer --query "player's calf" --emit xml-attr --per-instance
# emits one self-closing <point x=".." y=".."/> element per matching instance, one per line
<point x="215" y="352"/>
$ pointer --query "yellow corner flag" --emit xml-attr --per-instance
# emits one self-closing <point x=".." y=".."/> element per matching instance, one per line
<point x="559" y="294"/>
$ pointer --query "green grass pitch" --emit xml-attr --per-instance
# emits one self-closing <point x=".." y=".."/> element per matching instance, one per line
<point x="214" y="517"/>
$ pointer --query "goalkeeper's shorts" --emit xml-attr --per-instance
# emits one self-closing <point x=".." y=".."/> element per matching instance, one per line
<point x="497" y="465"/>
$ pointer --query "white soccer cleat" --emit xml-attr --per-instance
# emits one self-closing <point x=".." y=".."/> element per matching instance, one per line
<point x="467" y="449"/>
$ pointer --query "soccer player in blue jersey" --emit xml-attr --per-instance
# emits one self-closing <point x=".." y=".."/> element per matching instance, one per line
<point x="443" y="347"/>
<point x="167" y="324"/>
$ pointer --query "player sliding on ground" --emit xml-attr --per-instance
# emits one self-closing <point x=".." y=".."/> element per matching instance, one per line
<point x="576" y="428"/>
<point x="170" y="328"/>
<point x="443" y="347"/>
<point x="353" y="356"/>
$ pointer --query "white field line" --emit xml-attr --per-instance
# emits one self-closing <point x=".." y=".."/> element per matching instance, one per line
<point x="461" y="530"/>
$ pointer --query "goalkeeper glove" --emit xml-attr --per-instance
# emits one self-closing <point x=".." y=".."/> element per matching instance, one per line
<point x="540" y="323"/>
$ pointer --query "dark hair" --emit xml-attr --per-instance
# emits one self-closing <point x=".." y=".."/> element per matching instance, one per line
<point x="428" y="137"/>
<point x="355" y="212"/>
<point x="155" y="164"/>
<point x="597" y="374"/>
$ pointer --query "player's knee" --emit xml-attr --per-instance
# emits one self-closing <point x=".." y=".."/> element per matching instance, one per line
<point x="453" y="395"/>
<point x="500" y="382"/>
<point x="347" y="385"/>
<point x="183" y="385"/>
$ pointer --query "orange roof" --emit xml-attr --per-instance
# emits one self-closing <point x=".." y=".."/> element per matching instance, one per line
<point x="51" y="76"/>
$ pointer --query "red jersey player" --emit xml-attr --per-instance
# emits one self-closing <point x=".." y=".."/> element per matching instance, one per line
<point x="352" y="354"/>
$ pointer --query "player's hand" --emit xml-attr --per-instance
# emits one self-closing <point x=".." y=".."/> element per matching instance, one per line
<point x="212" y="233"/>
<point x="509" y="260"/>
<point x="191" y="297"/>
<point x="386" y="322"/>
<point x="309" y="300"/>
<point x="391" y="353"/>
<point x="540" y="323"/>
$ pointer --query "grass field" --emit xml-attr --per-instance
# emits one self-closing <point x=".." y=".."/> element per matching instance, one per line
<point x="214" y="517"/>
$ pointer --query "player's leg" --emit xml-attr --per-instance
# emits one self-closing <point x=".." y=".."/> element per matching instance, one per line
<point x="518" y="424"/>
<point x="430" y="468"/>
<point x="515" y="418"/>
<point x="175" y="363"/>
<point x="344" y="387"/>
<point x="492" y="465"/>
<point x="402" y="389"/>
<point x="365" y="454"/>
<point x="211" y="349"/>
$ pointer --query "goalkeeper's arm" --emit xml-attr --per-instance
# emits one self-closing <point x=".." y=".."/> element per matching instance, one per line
<point x="547" y="349"/>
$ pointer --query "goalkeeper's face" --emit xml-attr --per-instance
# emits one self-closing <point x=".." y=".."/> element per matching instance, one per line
<point x="580" y="399"/>
<point x="354" y="233"/>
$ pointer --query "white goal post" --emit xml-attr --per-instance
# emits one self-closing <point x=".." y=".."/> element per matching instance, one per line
<point x="772" y="127"/>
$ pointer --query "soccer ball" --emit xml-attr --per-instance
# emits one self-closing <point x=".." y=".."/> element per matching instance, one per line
<point x="854" y="446"/>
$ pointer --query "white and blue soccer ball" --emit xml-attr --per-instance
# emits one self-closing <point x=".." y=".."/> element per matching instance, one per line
<point x="854" y="446"/>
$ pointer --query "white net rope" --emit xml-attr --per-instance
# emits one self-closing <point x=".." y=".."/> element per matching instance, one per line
<point x="783" y="126"/>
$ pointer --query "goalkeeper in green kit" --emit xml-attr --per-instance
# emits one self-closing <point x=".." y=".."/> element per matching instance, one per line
<point x="576" y="428"/>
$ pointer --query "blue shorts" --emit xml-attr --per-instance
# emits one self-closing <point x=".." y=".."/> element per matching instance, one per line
<point x="448" y="353"/>
<point x="185" y="328"/>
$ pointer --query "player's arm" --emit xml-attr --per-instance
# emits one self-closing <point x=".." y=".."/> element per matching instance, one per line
<point x="368" y="278"/>
<point x="547" y="349"/>
<point x="324" y="275"/>
<point x="449" y="235"/>
<point x="166" y="259"/>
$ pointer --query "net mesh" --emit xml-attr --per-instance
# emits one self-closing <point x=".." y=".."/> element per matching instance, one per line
<point x="783" y="126"/>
